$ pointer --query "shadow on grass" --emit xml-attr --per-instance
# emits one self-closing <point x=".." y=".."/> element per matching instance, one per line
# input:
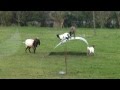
<point x="69" y="53"/>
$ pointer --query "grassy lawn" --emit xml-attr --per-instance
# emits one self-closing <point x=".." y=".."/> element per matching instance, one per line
<point x="47" y="62"/>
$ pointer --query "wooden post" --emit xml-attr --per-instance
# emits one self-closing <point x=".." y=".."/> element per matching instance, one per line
<point x="65" y="51"/>
<point x="94" y="24"/>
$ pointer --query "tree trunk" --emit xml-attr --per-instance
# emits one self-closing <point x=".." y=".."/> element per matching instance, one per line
<point x="94" y="24"/>
<point x="58" y="24"/>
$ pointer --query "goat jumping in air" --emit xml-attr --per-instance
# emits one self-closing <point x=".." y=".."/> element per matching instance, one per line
<point x="31" y="43"/>
<point x="64" y="36"/>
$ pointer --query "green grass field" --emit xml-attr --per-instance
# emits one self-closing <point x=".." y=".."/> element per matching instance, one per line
<point x="15" y="63"/>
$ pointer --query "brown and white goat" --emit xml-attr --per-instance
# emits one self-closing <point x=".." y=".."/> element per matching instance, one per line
<point x="31" y="43"/>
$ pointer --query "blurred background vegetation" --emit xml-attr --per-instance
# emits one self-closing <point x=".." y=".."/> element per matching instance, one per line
<point x="84" y="19"/>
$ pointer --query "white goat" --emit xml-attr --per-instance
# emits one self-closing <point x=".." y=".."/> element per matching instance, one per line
<point x="31" y="43"/>
<point x="90" y="50"/>
<point x="63" y="36"/>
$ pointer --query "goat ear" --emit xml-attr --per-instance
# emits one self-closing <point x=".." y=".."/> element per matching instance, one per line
<point x="93" y="45"/>
<point x="39" y="42"/>
<point x="57" y="35"/>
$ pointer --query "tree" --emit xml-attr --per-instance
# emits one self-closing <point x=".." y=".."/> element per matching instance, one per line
<point x="6" y="17"/>
<point x="102" y="17"/>
<point x="58" y="17"/>
<point x="118" y="17"/>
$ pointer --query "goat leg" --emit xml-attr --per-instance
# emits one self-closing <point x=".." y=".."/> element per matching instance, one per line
<point x="34" y="49"/>
<point x="29" y="50"/>
<point x="26" y="49"/>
